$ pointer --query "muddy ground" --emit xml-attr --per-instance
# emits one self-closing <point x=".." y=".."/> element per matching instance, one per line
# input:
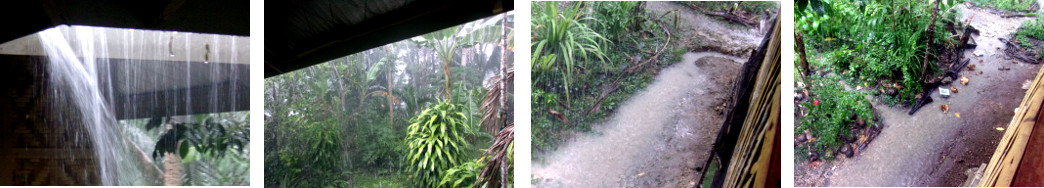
<point x="661" y="136"/>
<point x="930" y="147"/>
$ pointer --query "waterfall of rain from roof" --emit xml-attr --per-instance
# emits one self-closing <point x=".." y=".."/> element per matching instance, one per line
<point x="91" y="69"/>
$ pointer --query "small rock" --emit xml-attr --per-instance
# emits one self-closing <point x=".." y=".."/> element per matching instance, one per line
<point x="846" y="150"/>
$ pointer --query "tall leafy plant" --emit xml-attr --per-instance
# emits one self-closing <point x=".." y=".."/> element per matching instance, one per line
<point x="436" y="142"/>
<point x="562" y="33"/>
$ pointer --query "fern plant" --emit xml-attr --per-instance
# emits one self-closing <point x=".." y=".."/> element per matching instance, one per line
<point x="436" y="142"/>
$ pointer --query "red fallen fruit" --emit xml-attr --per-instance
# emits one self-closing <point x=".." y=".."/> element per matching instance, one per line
<point x="815" y="102"/>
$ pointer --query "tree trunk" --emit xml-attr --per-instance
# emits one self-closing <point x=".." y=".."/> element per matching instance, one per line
<point x="172" y="165"/>
<point x="445" y="74"/>
<point x="928" y="46"/>
<point x="805" y="71"/>
<point x="391" y="102"/>
<point x="503" y="70"/>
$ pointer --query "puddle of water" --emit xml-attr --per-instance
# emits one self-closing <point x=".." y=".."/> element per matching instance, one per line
<point x="632" y="135"/>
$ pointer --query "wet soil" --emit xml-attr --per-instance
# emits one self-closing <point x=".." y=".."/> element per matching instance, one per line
<point x="932" y="147"/>
<point x="658" y="138"/>
<point x="661" y="136"/>
<point x="704" y="33"/>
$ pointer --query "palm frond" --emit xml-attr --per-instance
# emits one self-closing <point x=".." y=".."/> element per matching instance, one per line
<point x="491" y="107"/>
<point x="497" y="172"/>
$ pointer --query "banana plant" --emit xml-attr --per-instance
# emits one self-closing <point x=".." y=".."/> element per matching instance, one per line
<point x="448" y="41"/>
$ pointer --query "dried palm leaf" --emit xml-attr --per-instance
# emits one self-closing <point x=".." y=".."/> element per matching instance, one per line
<point x="497" y="172"/>
<point x="491" y="107"/>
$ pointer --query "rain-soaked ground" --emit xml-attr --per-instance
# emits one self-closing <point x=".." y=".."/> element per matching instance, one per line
<point x="661" y="135"/>
<point x="932" y="148"/>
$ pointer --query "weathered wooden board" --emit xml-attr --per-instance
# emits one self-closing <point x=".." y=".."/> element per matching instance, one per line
<point x="1001" y="171"/>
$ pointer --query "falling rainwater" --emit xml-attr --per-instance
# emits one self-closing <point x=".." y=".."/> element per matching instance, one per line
<point x="80" y="77"/>
<point x="97" y="77"/>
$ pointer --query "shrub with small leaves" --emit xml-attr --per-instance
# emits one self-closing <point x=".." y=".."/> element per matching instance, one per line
<point x="830" y="113"/>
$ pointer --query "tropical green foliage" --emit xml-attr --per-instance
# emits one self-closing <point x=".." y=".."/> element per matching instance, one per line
<point x="435" y="143"/>
<point x="200" y="170"/>
<point x="559" y="31"/>
<point x="1031" y="29"/>
<point x="345" y="123"/>
<point x="831" y="117"/>
<point x="890" y="37"/>
<point x="214" y="148"/>
<point x="871" y="46"/>
<point x="615" y="19"/>
<point x="571" y="66"/>
<point x="463" y="175"/>
<point x="209" y="135"/>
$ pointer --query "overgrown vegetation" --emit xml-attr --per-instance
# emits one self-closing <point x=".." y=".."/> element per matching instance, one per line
<point x="408" y="114"/>
<point x="588" y="57"/>
<point x="878" y="48"/>
<point x="1032" y="29"/>
<point x="831" y="114"/>
<point x="213" y="149"/>
<point x="868" y="42"/>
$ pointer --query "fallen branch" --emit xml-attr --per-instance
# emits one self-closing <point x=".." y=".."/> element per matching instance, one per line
<point x="640" y="65"/>
<point x="733" y="18"/>
<point x="1016" y="15"/>
<point x="605" y="93"/>
<point x="1012" y="49"/>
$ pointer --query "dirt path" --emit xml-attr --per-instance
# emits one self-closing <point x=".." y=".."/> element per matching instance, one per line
<point x="709" y="33"/>
<point x="932" y="148"/>
<point x="660" y="137"/>
<point x="654" y="138"/>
